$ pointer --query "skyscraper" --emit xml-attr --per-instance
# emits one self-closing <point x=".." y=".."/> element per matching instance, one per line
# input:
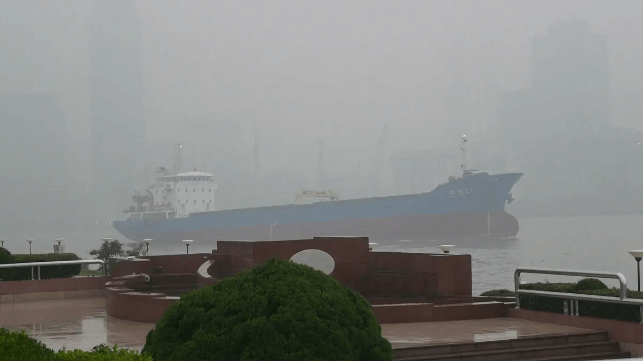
<point x="569" y="96"/>
<point x="32" y="159"/>
<point x="116" y="101"/>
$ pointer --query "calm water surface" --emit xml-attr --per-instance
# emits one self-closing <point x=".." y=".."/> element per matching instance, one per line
<point x="586" y="243"/>
<point x="582" y="243"/>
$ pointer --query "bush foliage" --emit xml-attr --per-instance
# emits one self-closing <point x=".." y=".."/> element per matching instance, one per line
<point x="587" y="286"/>
<point x="18" y="346"/>
<point x="278" y="311"/>
<point x="499" y="293"/>
<point x="46" y="272"/>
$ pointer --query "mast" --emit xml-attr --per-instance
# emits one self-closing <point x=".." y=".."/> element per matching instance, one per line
<point x="463" y="165"/>
<point x="178" y="160"/>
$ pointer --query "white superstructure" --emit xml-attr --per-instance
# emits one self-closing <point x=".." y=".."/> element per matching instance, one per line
<point x="174" y="195"/>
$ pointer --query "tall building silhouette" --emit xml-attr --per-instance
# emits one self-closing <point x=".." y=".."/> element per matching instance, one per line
<point x="116" y="101"/>
<point x="569" y="96"/>
<point x="32" y="145"/>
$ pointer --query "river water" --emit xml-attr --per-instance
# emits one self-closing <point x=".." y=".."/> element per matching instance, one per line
<point x="598" y="243"/>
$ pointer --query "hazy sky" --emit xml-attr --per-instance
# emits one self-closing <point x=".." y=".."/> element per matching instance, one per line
<point x="303" y="70"/>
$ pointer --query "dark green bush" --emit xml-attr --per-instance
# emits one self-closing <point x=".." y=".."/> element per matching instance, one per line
<point x="102" y="353"/>
<point x="18" y="346"/>
<point x="5" y="257"/>
<point x="499" y="293"/>
<point x="278" y="311"/>
<point x="589" y="284"/>
<point x="46" y="272"/>
<point x="595" y="309"/>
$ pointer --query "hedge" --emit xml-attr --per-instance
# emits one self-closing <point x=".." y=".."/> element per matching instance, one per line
<point x="18" y="346"/>
<point x="46" y="272"/>
<point x="597" y="309"/>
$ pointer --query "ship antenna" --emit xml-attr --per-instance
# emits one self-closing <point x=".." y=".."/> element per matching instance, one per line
<point x="464" y="154"/>
<point x="178" y="162"/>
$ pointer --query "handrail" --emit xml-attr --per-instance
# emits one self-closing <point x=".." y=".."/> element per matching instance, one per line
<point x="53" y="263"/>
<point x="575" y="297"/>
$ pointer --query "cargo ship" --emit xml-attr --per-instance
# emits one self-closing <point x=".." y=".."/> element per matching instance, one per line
<point x="180" y="205"/>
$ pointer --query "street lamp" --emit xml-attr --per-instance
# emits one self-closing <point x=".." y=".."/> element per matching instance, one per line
<point x="30" y="240"/>
<point x="638" y="254"/>
<point x="147" y="245"/>
<point x="1" y="243"/>
<point x="272" y="225"/>
<point x="446" y="247"/>
<point x="187" y="245"/>
<point x="59" y="241"/>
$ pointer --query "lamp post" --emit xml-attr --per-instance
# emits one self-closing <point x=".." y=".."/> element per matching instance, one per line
<point x="187" y="245"/>
<point x="30" y="241"/>
<point x="59" y="241"/>
<point x="272" y="225"/>
<point x="637" y="254"/>
<point x="446" y="247"/>
<point x="1" y="243"/>
<point x="147" y="245"/>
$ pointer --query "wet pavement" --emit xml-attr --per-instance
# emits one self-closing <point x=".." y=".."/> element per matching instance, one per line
<point x="423" y="333"/>
<point x="83" y="324"/>
<point x="73" y="324"/>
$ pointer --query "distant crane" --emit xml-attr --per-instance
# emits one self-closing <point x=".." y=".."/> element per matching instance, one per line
<point x="255" y="164"/>
<point x="378" y="160"/>
<point x="321" y="174"/>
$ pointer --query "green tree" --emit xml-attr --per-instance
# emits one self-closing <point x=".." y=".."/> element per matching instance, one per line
<point x="278" y="311"/>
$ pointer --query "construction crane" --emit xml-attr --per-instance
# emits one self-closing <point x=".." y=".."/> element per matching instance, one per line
<point x="255" y="163"/>
<point x="378" y="161"/>
<point x="320" y="164"/>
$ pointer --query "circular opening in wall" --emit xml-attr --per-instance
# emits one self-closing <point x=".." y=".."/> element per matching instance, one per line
<point x="316" y="259"/>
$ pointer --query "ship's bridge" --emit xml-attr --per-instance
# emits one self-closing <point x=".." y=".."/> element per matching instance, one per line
<point x="187" y="192"/>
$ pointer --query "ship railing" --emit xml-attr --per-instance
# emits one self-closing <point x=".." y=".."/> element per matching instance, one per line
<point x="53" y="263"/>
<point x="573" y="298"/>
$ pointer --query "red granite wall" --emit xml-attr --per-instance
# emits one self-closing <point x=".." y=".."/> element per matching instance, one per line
<point x="53" y="285"/>
<point x="622" y="331"/>
<point x="428" y="312"/>
<point x="442" y="275"/>
<point x="179" y="263"/>
<point x="139" y="307"/>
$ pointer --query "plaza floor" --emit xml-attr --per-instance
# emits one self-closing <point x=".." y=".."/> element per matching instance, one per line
<point x="83" y="323"/>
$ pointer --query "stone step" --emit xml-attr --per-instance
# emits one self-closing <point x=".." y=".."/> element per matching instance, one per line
<point x="526" y="353"/>
<point x="521" y="342"/>
<point x="586" y="357"/>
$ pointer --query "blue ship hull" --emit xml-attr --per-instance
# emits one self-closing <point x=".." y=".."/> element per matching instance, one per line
<point x="467" y="206"/>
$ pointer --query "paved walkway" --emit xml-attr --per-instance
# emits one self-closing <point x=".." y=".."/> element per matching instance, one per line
<point x="422" y="333"/>
<point x="83" y="323"/>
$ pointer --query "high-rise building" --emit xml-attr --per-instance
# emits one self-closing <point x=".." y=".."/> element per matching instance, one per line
<point x="569" y="96"/>
<point x="116" y="102"/>
<point x="32" y="159"/>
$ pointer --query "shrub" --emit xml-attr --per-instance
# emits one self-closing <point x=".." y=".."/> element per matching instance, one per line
<point x="499" y="293"/>
<point x="5" y="257"/>
<point x="46" y="272"/>
<point x="102" y="353"/>
<point x="18" y="346"/>
<point x="587" y="286"/>
<point x="277" y="311"/>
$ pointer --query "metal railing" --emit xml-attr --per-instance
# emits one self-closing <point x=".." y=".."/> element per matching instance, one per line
<point x="573" y="310"/>
<point x="53" y="263"/>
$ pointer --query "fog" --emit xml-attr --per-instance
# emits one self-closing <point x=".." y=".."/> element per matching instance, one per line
<point x="95" y="95"/>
